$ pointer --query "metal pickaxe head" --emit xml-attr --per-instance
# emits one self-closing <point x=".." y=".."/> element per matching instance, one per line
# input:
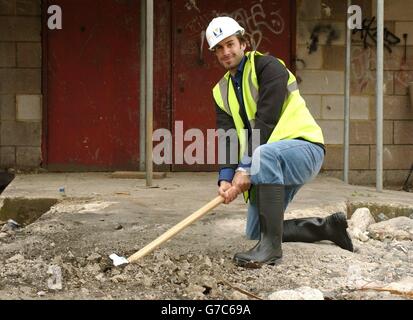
<point x="118" y="261"/>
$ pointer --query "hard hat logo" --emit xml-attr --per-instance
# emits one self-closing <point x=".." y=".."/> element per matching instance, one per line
<point x="217" y="32"/>
<point x="221" y="28"/>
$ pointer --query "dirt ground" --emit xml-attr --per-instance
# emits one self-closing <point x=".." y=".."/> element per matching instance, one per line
<point x="64" y="254"/>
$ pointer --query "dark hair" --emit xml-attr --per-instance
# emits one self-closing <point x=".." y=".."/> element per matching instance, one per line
<point x="242" y="38"/>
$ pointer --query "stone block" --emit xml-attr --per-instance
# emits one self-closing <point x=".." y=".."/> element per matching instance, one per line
<point x="357" y="177"/>
<point x="365" y="83"/>
<point x="405" y="27"/>
<point x="333" y="107"/>
<point x="327" y="32"/>
<point x="334" y="10"/>
<point x="333" y="131"/>
<point x="7" y="7"/>
<point x="364" y="132"/>
<point x="309" y="9"/>
<point x="396" y="10"/>
<point x="395" y="157"/>
<point x="7" y="81"/>
<point x="29" y="55"/>
<point x="7" y="157"/>
<point x="15" y="133"/>
<point x="363" y="75"/>
<point x="7" y="54"/>
<point x="401" y="81"/>
<point x="28" y="7"/>
<point x="313" y="103"/>
<point x="28" y="81"/>
<point x="334" y="58"/>
<point x="396" y="177"/>
<point x="28" y="157"/>
<point x="397" y="108"/>
<point x="395" y="60"/>
<point x="358" y="156"/>
<point x="29" y="108"/>
<point x="20" y="81"/>
<point x="309" y="61"/>
<point x="7" y="107"/>
<point x="20" y="29"/>
<point x="403" y="132"/>
<point x="321" y="82"/>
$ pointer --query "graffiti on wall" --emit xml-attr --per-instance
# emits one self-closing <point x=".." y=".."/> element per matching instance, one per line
<point x="256" y="20"/>
<point x="360" y="69"/>
<point x="368" y="34"/>
<point x="363" y="73"/>
<point x="332" y="34"/>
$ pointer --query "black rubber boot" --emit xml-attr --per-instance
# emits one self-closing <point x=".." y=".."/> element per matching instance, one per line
<point x="333" y="228"/>
<point x="268" y="250"/>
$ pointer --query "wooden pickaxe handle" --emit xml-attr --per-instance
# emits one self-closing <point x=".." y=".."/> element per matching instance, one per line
<point x="177" y="228"/>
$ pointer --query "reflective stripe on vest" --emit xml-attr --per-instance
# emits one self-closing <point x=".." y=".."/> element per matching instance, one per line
<point x="295" y="121"/>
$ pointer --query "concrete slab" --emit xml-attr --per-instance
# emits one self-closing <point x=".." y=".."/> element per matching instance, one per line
<point x="190" y="191"/>
<point x="97" y="216"/>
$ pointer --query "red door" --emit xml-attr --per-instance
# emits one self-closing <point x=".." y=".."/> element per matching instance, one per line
<point x="268" y="26"/>
<point x="92" y="86"/>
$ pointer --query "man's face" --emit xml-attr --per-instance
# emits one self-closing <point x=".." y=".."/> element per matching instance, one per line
<point x="230" y="53"/>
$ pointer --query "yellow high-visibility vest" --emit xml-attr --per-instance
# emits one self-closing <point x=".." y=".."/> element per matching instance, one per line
<point x="295" y="121"/>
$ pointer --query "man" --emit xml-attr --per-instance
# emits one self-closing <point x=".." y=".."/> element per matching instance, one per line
<point x="258" y="98"/>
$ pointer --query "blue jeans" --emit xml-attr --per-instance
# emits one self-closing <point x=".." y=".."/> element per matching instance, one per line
<point x="291" y="163"/>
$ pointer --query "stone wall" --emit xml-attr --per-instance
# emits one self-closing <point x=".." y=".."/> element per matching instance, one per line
<point x="20" y="84"/>
<point x="322" y="84"/>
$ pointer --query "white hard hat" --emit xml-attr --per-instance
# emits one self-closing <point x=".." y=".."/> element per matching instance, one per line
<point x="221" y="28"/>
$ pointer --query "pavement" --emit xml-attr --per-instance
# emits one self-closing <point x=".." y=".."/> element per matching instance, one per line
<point x="183" y="193"/>
<point x="73" y="222"/>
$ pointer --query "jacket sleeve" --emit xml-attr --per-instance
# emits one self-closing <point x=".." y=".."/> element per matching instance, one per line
<point x="272" y="80"/>
<point x="227" y="145"/>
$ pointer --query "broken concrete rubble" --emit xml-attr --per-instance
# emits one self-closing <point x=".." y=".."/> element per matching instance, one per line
<point x="196" y="264"/>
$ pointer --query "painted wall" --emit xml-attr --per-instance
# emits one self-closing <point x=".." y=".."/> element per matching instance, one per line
<point x="320" y="66"/>
<point x="20" y="84"/>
